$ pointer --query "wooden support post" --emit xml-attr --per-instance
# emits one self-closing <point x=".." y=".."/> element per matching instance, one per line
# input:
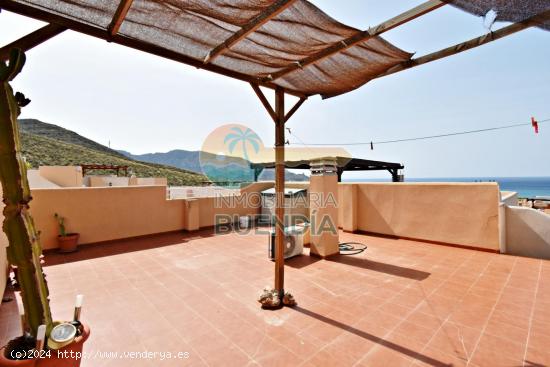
<point x="394" y="175"/>
<point x="279" y="117"/>
<point x="279" y="190"/>
<point x="340" y="171"/>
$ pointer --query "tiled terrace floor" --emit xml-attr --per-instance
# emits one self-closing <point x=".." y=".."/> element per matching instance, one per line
<point x="399" y="303"/>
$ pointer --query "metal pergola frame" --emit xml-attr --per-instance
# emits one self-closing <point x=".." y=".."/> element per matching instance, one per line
<point x="343" y="164"/>
<point x="58" y="24"/>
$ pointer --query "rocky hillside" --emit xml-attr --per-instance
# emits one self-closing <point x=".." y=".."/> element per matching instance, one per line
<point x="49" y="145"/>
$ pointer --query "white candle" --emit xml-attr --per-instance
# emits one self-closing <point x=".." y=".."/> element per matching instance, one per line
<point x="20" y="304"/>
<point x="78" y="307"/>
<point x="21" y="309"/>
<point x="79" y="300"/>
<point x="40" y="337"/>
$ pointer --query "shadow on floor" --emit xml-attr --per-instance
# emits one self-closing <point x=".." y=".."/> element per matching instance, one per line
<point x="390" y="269"/>
<point x="117" y="247"/>
<point x="398" y="348"/>
<point x="301" y="261"/>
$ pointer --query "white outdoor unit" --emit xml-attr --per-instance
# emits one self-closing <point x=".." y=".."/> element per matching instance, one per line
<point x="296" y="204"/>
<point x="293" y="243"/>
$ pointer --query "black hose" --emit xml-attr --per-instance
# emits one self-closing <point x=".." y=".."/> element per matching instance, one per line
<point x="349" y="248"/>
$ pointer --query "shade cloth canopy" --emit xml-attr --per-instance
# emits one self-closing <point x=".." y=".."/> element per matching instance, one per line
<point x="287" y="44"/>
<point x="193" y="28"/>
<point x="506" y="10"/>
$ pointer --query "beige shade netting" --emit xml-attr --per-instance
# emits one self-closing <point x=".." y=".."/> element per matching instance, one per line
<point x="194" y="27"/>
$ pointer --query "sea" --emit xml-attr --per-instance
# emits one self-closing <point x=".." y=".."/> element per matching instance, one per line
<point x="526" y="187"/>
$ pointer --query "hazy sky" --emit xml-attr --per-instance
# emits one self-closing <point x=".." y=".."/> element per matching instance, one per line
<point x="143" y="103"/>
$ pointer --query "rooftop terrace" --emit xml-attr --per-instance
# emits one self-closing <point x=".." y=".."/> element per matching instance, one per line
<point x="399" y="303"/>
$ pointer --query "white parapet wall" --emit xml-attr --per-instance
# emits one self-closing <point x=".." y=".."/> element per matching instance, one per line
<point x="63" y="176"/>
<point x="527" y="232"/>
<point x="509" y="198"/>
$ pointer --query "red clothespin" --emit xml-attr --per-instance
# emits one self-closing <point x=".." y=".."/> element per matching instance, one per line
<point x="535" y="125"/>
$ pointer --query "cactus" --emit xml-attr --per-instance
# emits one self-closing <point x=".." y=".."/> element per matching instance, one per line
<point x="24" y="250"/>
<point x="61" y="224"/>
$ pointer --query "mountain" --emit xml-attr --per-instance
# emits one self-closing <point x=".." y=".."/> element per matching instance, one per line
<point x="183" y="159"/>
<point x="47" y="144"/>
<point x="51" y="131"/>
<point x="189" y="160"/>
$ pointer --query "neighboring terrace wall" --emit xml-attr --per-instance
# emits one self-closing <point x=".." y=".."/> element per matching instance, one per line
<point x="154" y="181"/>
<point x="64" y="176"/>
<point x="454" y="213"/>
<point x="107" y="213"/>
<point x="527" y="232"/>
<point x="107" y="181"/>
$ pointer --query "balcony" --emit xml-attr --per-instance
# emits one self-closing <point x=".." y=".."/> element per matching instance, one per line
<point x="399" y="303"/>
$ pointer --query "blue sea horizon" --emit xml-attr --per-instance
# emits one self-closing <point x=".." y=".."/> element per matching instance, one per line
<point x="528" y="187"/>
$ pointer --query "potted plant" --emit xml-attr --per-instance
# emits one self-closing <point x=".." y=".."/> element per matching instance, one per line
<point x="24" y="250"/>
<point x="67" y="242"/>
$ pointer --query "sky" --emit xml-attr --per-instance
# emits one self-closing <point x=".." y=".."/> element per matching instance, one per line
<point x="143" y="103"/>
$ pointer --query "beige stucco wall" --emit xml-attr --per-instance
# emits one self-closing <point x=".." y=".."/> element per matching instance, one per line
<point x="106" y="213"/>
<point x="455" y="213"/>
<point x="157" y="181"/>
<point x="527" y="232"/>
<point x="107" y="181"/>
<point x="233" y="206"/>
<point x="64" y="176"/>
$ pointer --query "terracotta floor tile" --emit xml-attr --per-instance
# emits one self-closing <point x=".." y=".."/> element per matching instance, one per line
<point x="506" y="330"/>
<point x="383" y="357"/>
<point x="431" y="357"/>
<point x="539" y="341"/>
<point x="496" y="351"/>
<point x="389" y="306"/>
<point x="456" y="340"/>
<point x="418" y="333"/>
<point x="425" y="320"/>
<point x="537" y="357"/>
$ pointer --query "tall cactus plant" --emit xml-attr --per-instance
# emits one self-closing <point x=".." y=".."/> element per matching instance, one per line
<point x="24" y="250"/>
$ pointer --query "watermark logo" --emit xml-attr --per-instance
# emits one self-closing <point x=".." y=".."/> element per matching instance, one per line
<point x="227" y="155"/>
<point x="233" y="155"/>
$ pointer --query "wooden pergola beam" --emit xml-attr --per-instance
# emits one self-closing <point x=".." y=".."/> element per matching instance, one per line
<point x="264" y="101"/>
<point x="32" y="39"/>
<point x="94" y="31"/>
<point x="473" y="43"/>
<point x="118" y="18"/>
<point x="362" y="36"/>
<point x="294" y="108"/>
<point x="264" y="17"/>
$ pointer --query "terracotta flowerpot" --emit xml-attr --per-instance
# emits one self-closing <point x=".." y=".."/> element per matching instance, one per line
<point x="68" y="356"/>
<point x="5" y="362"/>
<point x="68" y="243"/>
<point x="57" y="358"/>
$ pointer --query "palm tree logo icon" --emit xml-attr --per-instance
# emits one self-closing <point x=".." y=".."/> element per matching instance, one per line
<point x="246" y="137"/>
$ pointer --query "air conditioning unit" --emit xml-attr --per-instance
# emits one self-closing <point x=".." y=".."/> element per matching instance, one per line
<point x="293" y="242"/>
